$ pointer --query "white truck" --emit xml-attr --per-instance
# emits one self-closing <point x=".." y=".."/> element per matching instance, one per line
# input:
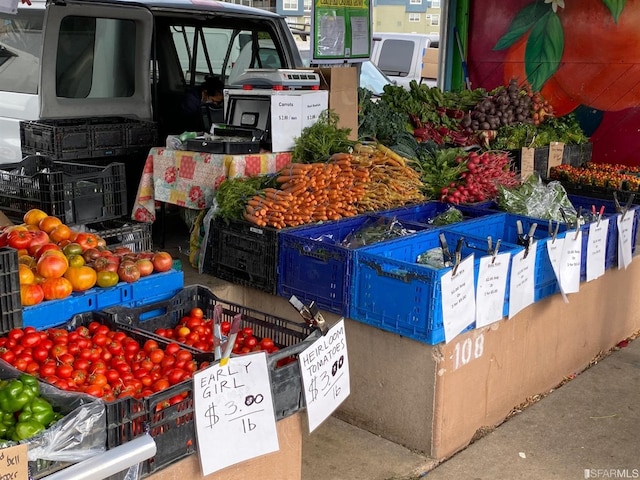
<point x="404" y="57"/>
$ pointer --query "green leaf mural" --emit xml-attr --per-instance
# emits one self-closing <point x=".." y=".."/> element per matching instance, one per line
<point x="615" y="7"/>
<point x="523" y="21"/>
<point x="544" y="50"/>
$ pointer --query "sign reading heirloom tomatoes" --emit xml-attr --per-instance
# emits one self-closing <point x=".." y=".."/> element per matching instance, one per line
<point x="325" y="374"/>
<point x="234" y="412"/>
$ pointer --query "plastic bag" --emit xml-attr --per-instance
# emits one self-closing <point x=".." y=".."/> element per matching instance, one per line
<point x="80" y="434"/>
<point x="433" y="258"/>
<point x="536" y="199"/>
<point x="375" y="230"/>
<point x="449" y="216"/>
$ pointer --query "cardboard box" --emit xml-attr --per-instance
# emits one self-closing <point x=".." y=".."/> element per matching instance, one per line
<point x="430" y="63"/>
<point x="434" y="399"/>
<point x="4" y="221"/>
<point x="285" y="464"/>
<point x="291" y="112"/>
<point x="342" y="84"/>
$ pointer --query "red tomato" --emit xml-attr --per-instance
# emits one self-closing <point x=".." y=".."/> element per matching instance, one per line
<point x="52" y="266"/>
<point x="150" y="345"/>
<point x="30" y="339"/>
<point x="81" y="364"/>
<point x="79" y="377"/>
<point x="176" y="375"/>
<point x="94" y="390"/>
<point x="56" y="288"/>
<point x="196" y="312"/>
<point x="162" y="261"/>
<point x="100" y="339"/>
<point x="64" y="371"/>
<point x="31" y="294"/>
<point x="161" y="384"/>
<point x="156" y="355"/>
<point x="225" y="327"/>
<point x="183" y="356"/>
<point x="48" y="369"/>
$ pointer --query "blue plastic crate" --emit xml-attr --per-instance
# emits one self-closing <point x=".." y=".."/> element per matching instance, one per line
<point x="313" y="266"/>
<point x="391" y="291"/>
<point x="427" y="212"/>
<point x="155" y="287"/>
<point x="503" y="226"/>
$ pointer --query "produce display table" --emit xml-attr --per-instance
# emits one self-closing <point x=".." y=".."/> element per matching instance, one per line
<point x="434" y="399"/>
<point x="285" y="464"/>
<point x="189" y="179"/>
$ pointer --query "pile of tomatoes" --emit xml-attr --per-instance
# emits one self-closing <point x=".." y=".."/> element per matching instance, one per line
<point x="195" y="330"/>
<point x="97" y="360"/>
<point x="55" y="260"/>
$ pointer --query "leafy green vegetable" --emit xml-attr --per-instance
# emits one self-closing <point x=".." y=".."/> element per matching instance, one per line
<point x="564" y="129"/>
<point x="449" y="216"/>
<point x="233" y="193"/>
<point x="321" y="140"/>
<point x="378" y="121"/>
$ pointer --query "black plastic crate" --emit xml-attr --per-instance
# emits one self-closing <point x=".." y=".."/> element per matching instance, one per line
<point x="140" y="135"/>
<point x="124" y="233"/>
<point x="10" y="303"/>
<point x="81" y="138"/>
<point x="108" y="137"/>
<point x="291" y="337"/>
<point x="228" y="139"/>
<point x="65" y="139"/>
<point x="77" y="193"/>
<point x="170" y="423"/>
<point x="243" y="254"/>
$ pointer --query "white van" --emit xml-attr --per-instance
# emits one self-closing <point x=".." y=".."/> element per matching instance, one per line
<point x="404" y="57"/>
<point x="120" y="58"/>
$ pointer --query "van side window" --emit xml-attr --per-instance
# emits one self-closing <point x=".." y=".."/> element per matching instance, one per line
<point x="20" y="48"/>
<point x="95" y="58"/>
<point x="396" y="57"/>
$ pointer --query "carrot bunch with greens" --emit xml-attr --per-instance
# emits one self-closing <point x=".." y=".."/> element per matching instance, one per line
<point x="310" y="192"/>
<point x="392" y="183"/>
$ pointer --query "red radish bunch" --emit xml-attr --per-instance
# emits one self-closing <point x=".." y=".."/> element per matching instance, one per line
<point x="484" y="172"/>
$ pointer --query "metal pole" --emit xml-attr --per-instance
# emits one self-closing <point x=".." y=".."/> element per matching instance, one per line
<point x="110" y="462"/>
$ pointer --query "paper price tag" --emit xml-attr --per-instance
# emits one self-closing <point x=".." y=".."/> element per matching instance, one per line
<point x="527" y="162"/>
<point x="570" y="262"/>
<point x="554" y="250"/>
<point x="325" y="374"/>
<point x="14" y="462"/>
<point x="522" y="285"/>
<point x="625" y="230"/>
<point x="458" y="298"/>
<point x="597" y="249"/>
<point x="556" y="150"/>
<point x="492" y="285"/>
<point x="234" y="412"/>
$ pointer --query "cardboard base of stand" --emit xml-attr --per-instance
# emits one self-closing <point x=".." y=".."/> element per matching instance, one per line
<point x="285" y="464"/>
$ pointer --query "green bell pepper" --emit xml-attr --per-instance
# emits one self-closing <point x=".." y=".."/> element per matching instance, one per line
<point x="14" y="396"/>
<point x="27" y="429"/>
<point x="30" y="382"/>
<point x="41" y="411"/>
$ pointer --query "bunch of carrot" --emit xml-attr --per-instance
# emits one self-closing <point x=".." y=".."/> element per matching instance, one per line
<point x="392" y="183"/>
<point x="310" y="192"/>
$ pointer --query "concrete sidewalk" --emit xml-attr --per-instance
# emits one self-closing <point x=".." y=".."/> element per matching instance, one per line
<point x="588" y="428"/>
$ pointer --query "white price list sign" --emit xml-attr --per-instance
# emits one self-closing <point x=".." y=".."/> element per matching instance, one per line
<point x="492" y="287"/>
<point x="522" y="284"/>
<point x="597" y="249"/>
<point x="325" y="374"/>
<point x="458" y="298"/>
<point x="234" y="412"/>
<point x="555" y="247"/>
<point x="625" y="229"/>
<point x="570" y="262"/>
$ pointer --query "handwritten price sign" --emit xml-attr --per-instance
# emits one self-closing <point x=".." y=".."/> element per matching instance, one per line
<point x="234" y="412"/>
<point x="325" y="374"/>
<point x="13" y="463"/>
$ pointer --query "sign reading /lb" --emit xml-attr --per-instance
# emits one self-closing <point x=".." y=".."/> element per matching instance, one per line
<point x="234" y="412"/>
<point x="325" y="374"/>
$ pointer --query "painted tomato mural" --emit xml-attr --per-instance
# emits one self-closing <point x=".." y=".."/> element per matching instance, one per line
<point x="583" y="55"/>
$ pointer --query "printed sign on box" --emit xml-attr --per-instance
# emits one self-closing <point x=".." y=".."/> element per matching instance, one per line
<point x="293" y="111"/>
